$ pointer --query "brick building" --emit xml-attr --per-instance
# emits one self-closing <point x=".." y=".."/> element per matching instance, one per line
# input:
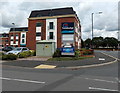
<point x="17" y="36"/>
<point x="4" y="40"/>
<point x="58" y="25"/>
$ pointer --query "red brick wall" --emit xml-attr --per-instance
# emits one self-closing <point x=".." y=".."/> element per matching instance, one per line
<point x="31" y="35"/>
<point x="59" y="22"/>
<point x="4" y="43"/>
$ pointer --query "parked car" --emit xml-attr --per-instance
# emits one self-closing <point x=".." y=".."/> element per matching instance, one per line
<point x="67" y="50"/>
<point x="8" y="48"/>
<point x="18" y="50"/>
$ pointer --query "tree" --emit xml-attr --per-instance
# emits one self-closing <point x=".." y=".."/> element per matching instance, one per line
<point x="82" y="43"/>
<point x="87" y="43"/>
<point x="101" y="42"/>
<point x="110" y="42"/>
<point x="97" y="41"/>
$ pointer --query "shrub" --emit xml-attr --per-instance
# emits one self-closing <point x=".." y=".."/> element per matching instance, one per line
<point x="9" y="57"/>
<point x="1" y="54"/>
<point x="88" y="52"/>
<point x="57" y="53"/>
<point x="33" y="52"/>
<point x="4" y="57"/>
<point x="77" y="53"/>
<point x="24" y="54"/>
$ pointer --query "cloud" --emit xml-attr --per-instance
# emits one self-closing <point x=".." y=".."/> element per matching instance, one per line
<point x="18" y="12"/>
<point x="11" y="14"/>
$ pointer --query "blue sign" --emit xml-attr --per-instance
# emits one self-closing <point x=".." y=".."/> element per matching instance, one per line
<point x="68" y="50"/>
<point x="66" y="31"/>
<point x="68" y="27"/>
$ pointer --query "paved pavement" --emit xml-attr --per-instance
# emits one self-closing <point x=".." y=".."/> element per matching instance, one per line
<point x="98" y="59"/>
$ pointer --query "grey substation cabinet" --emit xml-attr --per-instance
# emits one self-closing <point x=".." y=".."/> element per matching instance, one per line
<point x="45" y="48"/>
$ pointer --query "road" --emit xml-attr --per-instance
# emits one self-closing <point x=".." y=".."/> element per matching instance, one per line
<point x="102" y="78"/>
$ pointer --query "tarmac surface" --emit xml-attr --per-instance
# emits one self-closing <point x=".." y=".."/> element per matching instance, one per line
<point x="99" y="58"/>
<point x="24" y="77"/>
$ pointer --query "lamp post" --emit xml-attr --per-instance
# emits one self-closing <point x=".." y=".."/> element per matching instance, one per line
<point x="13" y="32"/>
<point x="92" y="26"/>
<point x="118" y="40"/>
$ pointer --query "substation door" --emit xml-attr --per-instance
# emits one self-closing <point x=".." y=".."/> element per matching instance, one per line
<point x="44" y="49"/>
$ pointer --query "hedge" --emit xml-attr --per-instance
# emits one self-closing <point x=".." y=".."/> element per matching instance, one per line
<point x="9" y="57"/>
<point x="27" y="54"/>
<point x="24" y="54"/>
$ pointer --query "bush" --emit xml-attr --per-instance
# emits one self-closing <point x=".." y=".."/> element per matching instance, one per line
<point x="77" y="53"/>
<point x="9" y="57"/>
<point x="1" y="54"/>
<point x="24" y="54"/>
<point x="57" y="53"/>
<point x="88" y="52"/>
<point x="33" y="52"/>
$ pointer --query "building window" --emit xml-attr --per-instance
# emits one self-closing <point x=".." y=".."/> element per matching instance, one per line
<point x="23" y="40"/>
<point x="38" y="34"/>
<point x="24" y="49"/>
<point x="16" y="39"/>
<point x="16" y="35"/>
<point x="38" y="24"/>
<point x="23" y="35"/>
<point x="51" y="35"/>
<point x="51" y="25"/>
<point x="6" y="40"/>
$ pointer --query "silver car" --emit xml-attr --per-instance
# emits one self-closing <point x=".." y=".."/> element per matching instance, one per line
<point x="18" y="50"/>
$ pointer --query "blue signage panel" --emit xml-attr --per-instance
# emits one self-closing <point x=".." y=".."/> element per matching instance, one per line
<point x="68" y="50"/>
<point x="68" y="27"/>
<point x="67" y="31"/>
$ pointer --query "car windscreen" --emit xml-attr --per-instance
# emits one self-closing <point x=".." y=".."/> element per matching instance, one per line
<point x="17" y="49"/>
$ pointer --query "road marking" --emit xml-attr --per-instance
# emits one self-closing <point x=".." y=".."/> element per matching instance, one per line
<point x="21" y="80"/>
<point x="42" y="66"/>
<point x="101" y="80"/>
<point x="110" y="55"/>
<point x="101" y="58"/>
<point x="93" y="88"/>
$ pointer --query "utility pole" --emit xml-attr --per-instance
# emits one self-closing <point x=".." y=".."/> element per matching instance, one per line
<point x="13" y="32"/>
<point x="93" y="27"/>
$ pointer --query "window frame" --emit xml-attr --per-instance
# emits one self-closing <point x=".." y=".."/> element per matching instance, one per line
<point x="51" y="25"/>
<point x="50" y="35"/>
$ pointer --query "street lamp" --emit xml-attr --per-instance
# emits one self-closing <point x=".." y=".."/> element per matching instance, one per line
<point x="118" y="40"/>
<point x="13" y="26"/>
<point x="92" y="25"/>
<point x="13" y="31"/>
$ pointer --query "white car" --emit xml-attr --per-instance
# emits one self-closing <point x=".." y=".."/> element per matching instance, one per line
<point x="18" y="50"/>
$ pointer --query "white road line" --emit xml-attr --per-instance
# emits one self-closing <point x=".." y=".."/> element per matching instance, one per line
<point x="101" y="80"/>
<point x="102" y="89"/>
<point x="21" y="80"/>
<point x="110" y="55"/>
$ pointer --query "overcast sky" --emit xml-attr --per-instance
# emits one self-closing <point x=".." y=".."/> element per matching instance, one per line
<point x="105" y="24"/>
